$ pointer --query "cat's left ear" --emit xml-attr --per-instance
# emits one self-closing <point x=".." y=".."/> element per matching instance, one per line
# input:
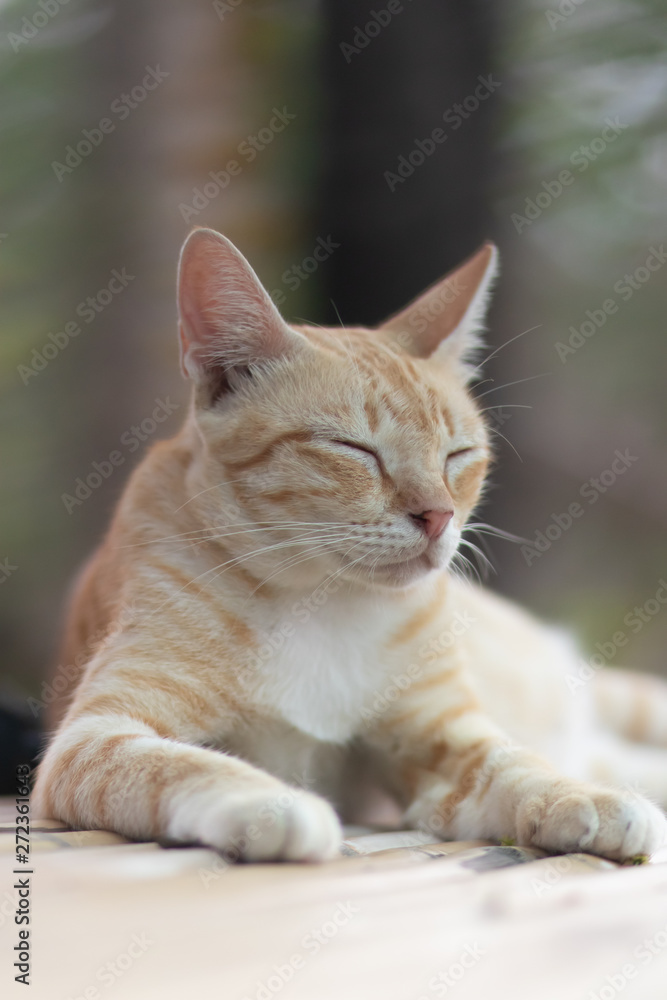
<point x="445" y="322"/>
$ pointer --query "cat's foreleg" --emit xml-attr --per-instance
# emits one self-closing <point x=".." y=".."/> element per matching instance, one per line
<point x="116" y="773"/>
<point x="463" y="778"/>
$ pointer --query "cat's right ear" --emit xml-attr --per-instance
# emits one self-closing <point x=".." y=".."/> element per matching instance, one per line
<point x="445" y="322"/>
<point x="227" y="320"/>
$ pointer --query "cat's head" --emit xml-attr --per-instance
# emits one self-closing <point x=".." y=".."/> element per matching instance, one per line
<point x="350" y="451"/>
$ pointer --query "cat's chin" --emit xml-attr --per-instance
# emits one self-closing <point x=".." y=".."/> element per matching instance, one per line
<point x="401" y="574"/>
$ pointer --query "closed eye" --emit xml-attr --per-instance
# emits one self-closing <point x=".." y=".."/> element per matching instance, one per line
<point x="357" y="447"/>
<point x="461" y="453"/>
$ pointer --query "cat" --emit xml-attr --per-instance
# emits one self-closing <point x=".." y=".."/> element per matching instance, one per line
<point x="273" y="616"/>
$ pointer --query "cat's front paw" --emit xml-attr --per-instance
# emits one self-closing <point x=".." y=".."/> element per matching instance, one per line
<point x="613" y="824"/>
<point x="267" y="825"/>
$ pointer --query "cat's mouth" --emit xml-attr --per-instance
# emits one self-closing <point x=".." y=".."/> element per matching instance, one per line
<point x="412" y="568"/>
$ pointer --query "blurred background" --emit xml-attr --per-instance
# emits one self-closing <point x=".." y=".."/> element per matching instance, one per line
<point x="355" y="152"/>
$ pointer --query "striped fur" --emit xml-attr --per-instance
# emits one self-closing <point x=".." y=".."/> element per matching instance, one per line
<point x="273" y="615"/>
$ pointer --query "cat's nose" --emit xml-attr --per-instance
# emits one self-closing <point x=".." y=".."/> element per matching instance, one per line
<point x="433" y="522"/>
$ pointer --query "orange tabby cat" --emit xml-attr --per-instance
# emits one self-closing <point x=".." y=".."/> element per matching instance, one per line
<point x="277" y="609"/>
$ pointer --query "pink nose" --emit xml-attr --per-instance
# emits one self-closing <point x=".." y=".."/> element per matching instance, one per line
<point x="434" y="522"/>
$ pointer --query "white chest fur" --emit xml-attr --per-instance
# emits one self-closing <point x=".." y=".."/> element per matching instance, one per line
<point x="327" y="668"/>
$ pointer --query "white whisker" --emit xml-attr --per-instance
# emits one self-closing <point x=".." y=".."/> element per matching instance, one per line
<point x="510" y="341"/>
<point x="494" y="430"/>
<point x="488" y="529"/>
<point x="243" y="527"/>
<point x="506" y="406"/>
<point x="487" y="565"/>
<point x="518" y="381"/>
<point x="467" y="566"/>
<point x="223" y="567"/>
<point x="297" y="559"/>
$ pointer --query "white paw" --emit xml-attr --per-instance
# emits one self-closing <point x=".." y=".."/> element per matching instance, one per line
<point x="613" y="824"/>
<point x="275" y="824"/>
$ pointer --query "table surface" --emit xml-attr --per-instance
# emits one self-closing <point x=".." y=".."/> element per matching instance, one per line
<point x="396" y="917"/>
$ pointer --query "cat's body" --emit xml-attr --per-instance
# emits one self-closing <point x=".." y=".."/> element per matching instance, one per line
<point x="275" y="586"/>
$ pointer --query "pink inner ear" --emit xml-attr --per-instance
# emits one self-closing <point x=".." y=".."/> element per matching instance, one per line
<point x="227" y="318"/>
<point x="185" y="352"/>
<point x="205" y="294"/>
